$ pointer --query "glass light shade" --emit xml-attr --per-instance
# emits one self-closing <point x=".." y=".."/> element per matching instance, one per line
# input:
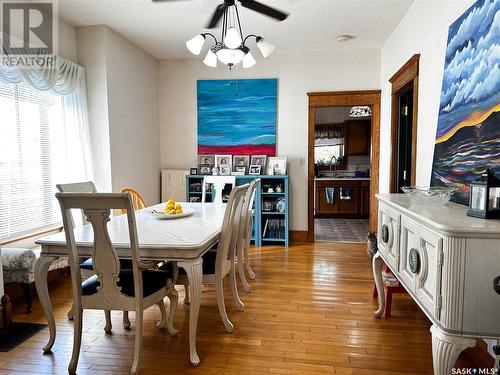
<point x="265" y="47"/>
<point x="360" y="111"/>
<point x="230" y="56"/>
<point x="195" y="44"/>
<point x="211" y="59"/>
<point x="232" y="38"/>
<point x="248" y="60"/>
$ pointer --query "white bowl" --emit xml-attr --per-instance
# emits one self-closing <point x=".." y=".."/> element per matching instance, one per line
<point x="429" y="195"/>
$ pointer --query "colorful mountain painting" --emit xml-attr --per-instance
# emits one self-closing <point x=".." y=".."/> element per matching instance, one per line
<point x="237" y="117"/>
<point x="468" y="131"/>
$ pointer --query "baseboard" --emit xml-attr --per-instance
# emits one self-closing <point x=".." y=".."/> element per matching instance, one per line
<point x="479" y="355"/>
<point x="298" y="236"/>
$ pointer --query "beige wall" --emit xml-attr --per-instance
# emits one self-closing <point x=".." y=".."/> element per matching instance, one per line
<point x="123" y="112"/>
<point x="423" y="30"/>
<point x="297" y="75"/>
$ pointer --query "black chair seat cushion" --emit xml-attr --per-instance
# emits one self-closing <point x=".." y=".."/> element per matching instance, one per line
<point x="125" y="264"/>
<point x="208" y="264"/>
<point x="152" y="281"/>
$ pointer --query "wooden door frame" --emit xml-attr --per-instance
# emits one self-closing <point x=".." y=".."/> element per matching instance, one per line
<point x="338" y="99"/>
<point x="404" y="77"/>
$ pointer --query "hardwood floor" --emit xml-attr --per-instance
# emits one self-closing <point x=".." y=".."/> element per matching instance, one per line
<point x="310" y="312"/>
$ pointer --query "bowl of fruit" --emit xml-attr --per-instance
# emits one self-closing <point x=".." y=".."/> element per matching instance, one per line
<point x="172" y="210"/>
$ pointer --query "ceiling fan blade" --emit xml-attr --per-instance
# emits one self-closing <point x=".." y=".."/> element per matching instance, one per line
<point x="216" y="17"/>
<point x="264" y="9"/>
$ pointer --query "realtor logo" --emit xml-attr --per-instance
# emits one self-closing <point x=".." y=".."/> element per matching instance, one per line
<point x="28" y="28"/>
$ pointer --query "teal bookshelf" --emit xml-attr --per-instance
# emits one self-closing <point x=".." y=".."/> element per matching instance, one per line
<point x="270" y="226"/>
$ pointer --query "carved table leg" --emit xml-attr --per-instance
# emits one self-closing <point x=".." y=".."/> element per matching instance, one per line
<point x="446" y="349"/>
<point x="194" y="273"/>
<point x="6" y="312"/>
<point x="41" y="268"/>
<point x="377" y="264"/>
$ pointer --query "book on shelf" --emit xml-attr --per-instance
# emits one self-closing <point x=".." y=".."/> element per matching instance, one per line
<point x="274" y="228"/>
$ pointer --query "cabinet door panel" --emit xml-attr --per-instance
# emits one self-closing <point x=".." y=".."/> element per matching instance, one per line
<point x="323" y="205"/>
<point x="409" y="241"/>
<point x="388" y="243"/>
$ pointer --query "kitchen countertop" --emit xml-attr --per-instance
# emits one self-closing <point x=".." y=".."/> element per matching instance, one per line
<point x="341" y="178"/>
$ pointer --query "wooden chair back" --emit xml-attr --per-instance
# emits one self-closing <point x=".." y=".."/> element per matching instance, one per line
<point x="218" y="183"/>
<point x="137" y="201"/>
<point x="97" y="208"/>
<point x="77" y="187"/>
<point x="230" y="227"/>
<point x="246" y="223"/>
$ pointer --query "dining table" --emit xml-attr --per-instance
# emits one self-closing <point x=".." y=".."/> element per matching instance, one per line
<point x="180" y="240"/>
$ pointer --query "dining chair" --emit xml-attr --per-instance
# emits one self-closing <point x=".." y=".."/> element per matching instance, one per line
<point x="218" y="183"/>
<point x="113" y="288"/>
<point x="245" y="235"/>
<point x="219" y="263"/>
<point x="137" y="201"/>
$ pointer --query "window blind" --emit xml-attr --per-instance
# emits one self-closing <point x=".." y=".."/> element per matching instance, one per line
<point x="32" y="159"/>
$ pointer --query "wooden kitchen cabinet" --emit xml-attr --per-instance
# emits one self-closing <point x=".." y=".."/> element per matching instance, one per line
<point x="354" y="207"/>
<point x="357" y="137"/>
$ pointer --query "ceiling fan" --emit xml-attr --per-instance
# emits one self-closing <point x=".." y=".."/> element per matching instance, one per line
<point x="250" y="4"/>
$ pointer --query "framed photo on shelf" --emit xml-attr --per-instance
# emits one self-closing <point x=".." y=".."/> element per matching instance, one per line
<point x="259" y="160"/>
<point x="223" y="162"/>
<point x="276" y="165"/>
<point x="255" y="169"/>
<point x="224" y="170"/>
<point x="240" y="161"/>
<point x="238" y="168"/>
<point x="193" y="171"/>
<point x="206" y="164"/>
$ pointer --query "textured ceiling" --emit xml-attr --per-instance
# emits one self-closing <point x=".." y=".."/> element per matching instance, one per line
<point x="162" y="28"/>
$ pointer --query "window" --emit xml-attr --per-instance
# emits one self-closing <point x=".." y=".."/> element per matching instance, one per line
<point x="39" y="147"/>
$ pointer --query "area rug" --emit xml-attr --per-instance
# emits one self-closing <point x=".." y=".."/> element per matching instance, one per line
<point x="17" y="334"/>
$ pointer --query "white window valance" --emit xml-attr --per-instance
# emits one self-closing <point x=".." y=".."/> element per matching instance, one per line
<point x="62" y="78"/>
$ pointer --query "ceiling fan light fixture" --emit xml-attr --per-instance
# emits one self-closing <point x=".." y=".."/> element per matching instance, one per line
<point x="265" y="47"/>
<point x="195" y="44"/>
<point x="248" y="60"/>
<point x="229" y="56"/>
<point x="232" y="38"/>
<point x="211" y="59"/>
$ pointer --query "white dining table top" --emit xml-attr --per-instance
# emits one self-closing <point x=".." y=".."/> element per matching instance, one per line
<point x="187" y="235"/>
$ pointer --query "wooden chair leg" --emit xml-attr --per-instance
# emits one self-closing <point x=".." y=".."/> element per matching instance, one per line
<point x="241" y="271"/>
<point x="388" y="303"/>
<point x="108" y="327"/>
<point x="250" y="272"/>
<point x="28" y="296"/>
<point x="234" y="288"/>
<point x="173" y="296"/>
<point x="7" y="311"/>
<point x="71" y="313"/>
<point x="219" y="291"/>
<point x="186" y="294"/>
<point x="77" y="341"/>
<point x="161" y="324"/>
<point x="126" y="320"/>
<point x="138" y="341"/>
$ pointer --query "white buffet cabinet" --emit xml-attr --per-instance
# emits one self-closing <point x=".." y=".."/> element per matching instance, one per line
<point x="447" y="262"/>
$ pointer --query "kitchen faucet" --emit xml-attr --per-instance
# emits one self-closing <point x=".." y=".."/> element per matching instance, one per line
<point x="331" y="162"/>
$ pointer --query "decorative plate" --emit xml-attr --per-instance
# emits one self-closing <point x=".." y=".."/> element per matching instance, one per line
<point x="162" y="216"/>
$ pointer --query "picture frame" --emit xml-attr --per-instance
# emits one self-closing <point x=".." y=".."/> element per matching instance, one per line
<point x="193" y="171"/>
<point x="223" y="161"/>
<point x="276" y="165"/>
<point x="255" y="169"/>
<point x="259" y="160"/>
<point x="242" y="169"/>
<point x="206" y="164"/>
<point x="241" y="161"/>
<point x="224" y="170"/>
<point x="205" y="169"/>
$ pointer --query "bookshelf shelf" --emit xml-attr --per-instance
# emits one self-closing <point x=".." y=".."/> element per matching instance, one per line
<point x="278" y="220"/>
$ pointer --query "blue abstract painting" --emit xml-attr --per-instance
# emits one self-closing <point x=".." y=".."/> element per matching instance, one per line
<point x="237" y="117"/>
<point x="468" y="130"/>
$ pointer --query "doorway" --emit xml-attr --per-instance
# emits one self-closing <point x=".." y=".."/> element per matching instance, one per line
<point x="404" y="125"/>
<point x="341" y="198"/>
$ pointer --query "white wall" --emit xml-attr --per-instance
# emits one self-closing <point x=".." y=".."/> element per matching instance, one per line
<point x="423" y="30"/>
<point x="92" y="56"/>
<point x="297" y="74"/>
<point x="123" y="112"/>
<point x="67" y="41"/>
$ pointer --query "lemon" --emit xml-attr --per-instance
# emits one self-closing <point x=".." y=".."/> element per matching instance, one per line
<point x="178" y="211"/>
<point x="178" y="205"/>
<point x="170" y="202"/>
